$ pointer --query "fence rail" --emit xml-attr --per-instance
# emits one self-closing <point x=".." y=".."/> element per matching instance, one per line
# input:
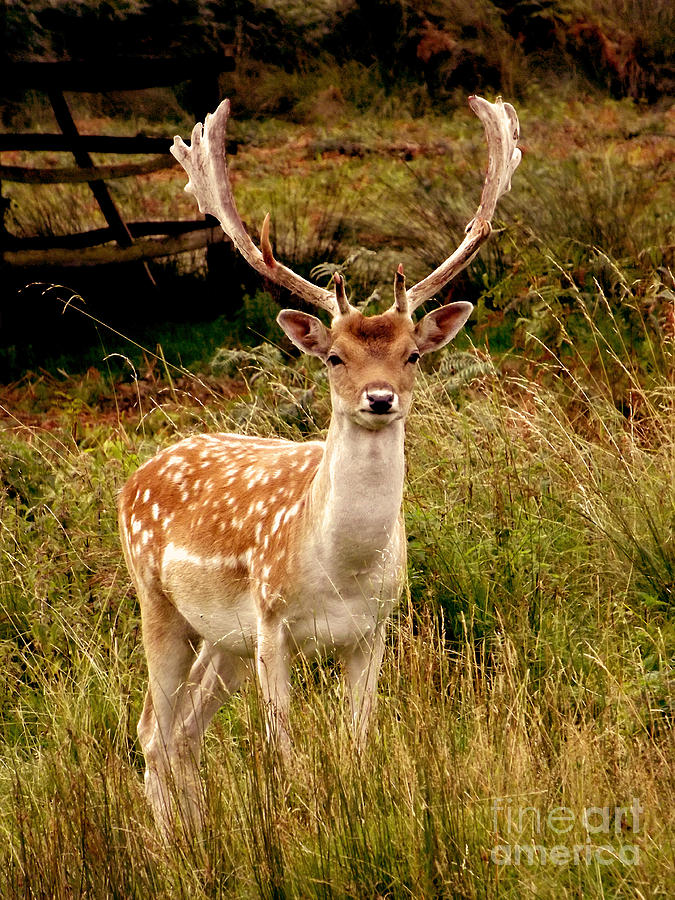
<point x="30" y="175"/>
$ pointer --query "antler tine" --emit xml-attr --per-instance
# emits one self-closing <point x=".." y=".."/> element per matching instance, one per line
<point x="502" y="132"/>
<point x="343" y="305"/>
<point x="209" y="181"/>
<point x="400" y="293"/>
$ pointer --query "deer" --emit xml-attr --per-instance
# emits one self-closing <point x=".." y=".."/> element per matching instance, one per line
<point x="249" y="552"/>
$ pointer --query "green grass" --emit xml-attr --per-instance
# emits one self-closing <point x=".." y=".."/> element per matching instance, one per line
<point x="529" y="668"/>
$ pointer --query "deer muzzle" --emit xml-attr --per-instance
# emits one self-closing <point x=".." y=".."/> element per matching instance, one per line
<point x="380" y="398"/>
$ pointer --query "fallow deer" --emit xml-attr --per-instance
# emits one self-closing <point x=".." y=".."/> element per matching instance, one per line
<point x="247" y="551"/>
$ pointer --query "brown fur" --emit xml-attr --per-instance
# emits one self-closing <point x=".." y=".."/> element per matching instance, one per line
<point x="213" y="494"/>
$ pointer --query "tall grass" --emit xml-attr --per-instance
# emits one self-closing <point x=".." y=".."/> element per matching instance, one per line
<point x="528" y="669"/>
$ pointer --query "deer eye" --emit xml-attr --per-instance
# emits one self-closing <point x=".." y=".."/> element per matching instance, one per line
<point x="414" y="357"/>
<point x="334" y="360"/>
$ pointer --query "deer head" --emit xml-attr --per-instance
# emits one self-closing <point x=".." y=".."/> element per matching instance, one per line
<point x="372" y="360"/>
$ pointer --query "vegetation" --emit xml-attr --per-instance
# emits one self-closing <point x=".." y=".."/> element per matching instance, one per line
<point x="527" y="691"/>
<point x="528" y="667"/>
<point x="438" y="45"/>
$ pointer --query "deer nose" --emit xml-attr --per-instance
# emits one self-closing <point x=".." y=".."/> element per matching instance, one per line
<point x="380" y="397"/>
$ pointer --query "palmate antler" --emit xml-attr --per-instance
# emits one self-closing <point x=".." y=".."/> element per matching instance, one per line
<point x="502" y="131"/>
<point x="209" y="181"/>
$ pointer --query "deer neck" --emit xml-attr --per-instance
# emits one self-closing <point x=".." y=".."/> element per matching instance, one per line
<point x="356" y="495"/>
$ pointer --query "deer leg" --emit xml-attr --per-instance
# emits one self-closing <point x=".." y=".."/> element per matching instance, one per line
<point x="169" y="649"/>
<point x="214" y="676"/>
<point x="362" y="665"/>
<point x="273" y="668"/>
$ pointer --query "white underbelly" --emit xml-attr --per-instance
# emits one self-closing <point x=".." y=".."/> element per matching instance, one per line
<point x="333" y="624"/>
<point x="325" y="610"/>
<point x="316" y="622"/>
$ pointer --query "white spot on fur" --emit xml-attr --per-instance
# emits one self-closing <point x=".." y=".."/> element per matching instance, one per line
<point x="293" y="511"/>
<point x="277" y="519"/>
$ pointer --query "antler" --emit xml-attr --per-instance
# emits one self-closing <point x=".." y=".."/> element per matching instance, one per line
<point x="502" y="132"/>
<point x="209" y="181"/>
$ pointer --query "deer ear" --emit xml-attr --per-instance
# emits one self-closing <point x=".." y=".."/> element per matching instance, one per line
<point x="439" y="327"/>
<point x="307" y="333"/>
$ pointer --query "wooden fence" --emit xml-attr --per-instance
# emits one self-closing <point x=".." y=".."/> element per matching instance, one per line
<point x="119" y="241"/>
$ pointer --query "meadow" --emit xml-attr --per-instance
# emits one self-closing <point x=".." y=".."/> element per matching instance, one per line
<point x="524" y="735"/>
